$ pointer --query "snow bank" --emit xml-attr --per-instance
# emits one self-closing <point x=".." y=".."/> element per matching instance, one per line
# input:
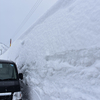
<point x="3" y="48"/>
<point x="59" y="55"/>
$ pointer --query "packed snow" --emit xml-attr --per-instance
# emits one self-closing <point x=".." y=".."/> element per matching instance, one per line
<point x="59" y="55"/>
<point x="3" y="48"/>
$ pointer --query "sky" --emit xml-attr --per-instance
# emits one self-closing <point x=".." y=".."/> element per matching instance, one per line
<point x="16" y="16"/>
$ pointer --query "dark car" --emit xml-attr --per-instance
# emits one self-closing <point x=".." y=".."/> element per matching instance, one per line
<point x="9" y="81"/>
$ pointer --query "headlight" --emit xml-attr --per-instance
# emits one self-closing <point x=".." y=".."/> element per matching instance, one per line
<point x="17" y="96"/>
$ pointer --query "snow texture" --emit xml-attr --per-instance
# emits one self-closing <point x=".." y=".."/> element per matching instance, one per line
<point x="60" y="54"/>
<point x="3" y="48"/>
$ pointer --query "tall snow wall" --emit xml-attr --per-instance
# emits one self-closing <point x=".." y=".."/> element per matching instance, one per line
<point x="59" y="55"/>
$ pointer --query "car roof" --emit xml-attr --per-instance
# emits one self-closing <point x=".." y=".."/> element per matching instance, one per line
<point x="6" y="61"/>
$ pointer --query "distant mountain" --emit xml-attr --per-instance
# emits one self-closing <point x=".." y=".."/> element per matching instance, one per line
<point x="3" y="48"/>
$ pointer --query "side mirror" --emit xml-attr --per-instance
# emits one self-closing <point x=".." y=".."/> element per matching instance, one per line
<point x="20" y="76"/>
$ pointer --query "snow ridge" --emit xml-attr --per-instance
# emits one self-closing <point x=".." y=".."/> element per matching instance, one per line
<point x="3" y="48"/>
<point x="82" y="57"/>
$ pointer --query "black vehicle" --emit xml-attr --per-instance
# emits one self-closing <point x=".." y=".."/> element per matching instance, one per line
<point x="9" y="81"/>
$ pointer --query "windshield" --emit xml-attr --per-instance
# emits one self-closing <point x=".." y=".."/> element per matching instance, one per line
<point x="7" y="71"/>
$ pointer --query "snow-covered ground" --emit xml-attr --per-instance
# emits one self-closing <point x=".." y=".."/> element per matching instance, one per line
<point x="3" y="48"/>
<point x="60" y="54"/>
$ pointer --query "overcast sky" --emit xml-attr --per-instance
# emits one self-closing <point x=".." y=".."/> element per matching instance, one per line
<point x="16" y="16"/>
